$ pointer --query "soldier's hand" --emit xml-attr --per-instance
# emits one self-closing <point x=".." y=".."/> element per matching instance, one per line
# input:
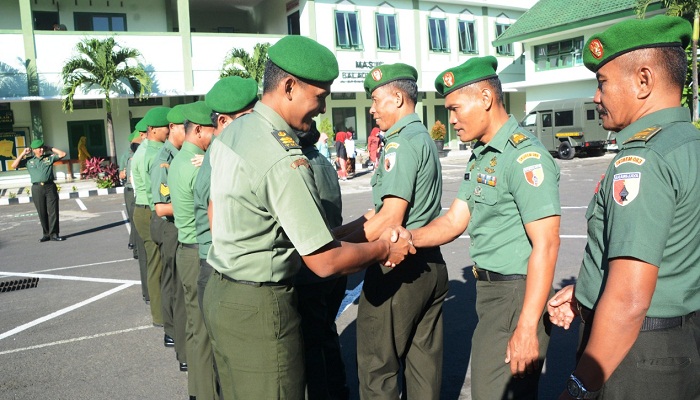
<point x="122" y="174"/>
<point x="562" y="307"/>
<point x="522" y="352"/>
<point x="398" y="247"/>
<point x="26" y="151"/>
<point x="197" y="160"/>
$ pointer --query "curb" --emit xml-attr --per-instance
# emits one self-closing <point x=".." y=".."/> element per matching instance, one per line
<point x="66" y="196"/>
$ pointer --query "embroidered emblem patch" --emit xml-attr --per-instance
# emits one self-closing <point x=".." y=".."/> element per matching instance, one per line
<point x="391" y="146"/>
<point x="493" y="162"/>
<point x="596" y="49"/>
<point x="449" y="79"/>
<point x="164" y="190"/>
<point x="597" y="187"/>
<point x="377" y="74"/>
<point x="486" y="179"/>
<point x="629" y="159"/>
<point x="477" y="191"/>
<point x="534" y="175"/>
<point x="626" y="187"/>
<point x="285" y="140"/>
<point x="489" y="170"/>
<point x="530" y="154"/>
<point x="301" y="162"/>
<point x="389" y="161"/>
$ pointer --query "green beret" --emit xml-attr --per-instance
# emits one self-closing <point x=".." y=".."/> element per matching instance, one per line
<point x="386" y="73"/>
<point x="36" y="143"/>
<point x="141" y="125"/>
<point x="231" y="94"/>
<point x="474" y="70"/>
<point x="157" y="117"/>
<point x="175" y="115"/>
<point x="198" y="112"/>
<point x="634" y="34"/>
<point x="133" y="135"/>
<point x="304" y="58"/>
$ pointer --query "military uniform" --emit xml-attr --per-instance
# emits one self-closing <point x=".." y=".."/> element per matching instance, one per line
<point x="141" y="164"/>
<point x="44" y="191"/>
<point x="165" y="234"/>
<point x="201" y="220"/>
<point x="399" y="320"/>
<point x="654" y="174"/>
<point x="509" y="182"/>
<point x="263" y="190"/>
<point x="320" y="298"/>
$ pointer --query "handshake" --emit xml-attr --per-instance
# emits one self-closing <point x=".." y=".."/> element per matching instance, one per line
<point x="400" y="245"/>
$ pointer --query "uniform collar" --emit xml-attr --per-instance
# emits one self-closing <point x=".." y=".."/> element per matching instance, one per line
<point x="171" y="147"/>
<point x="661" y="117"/>
<point x="500" y="139"/>
<point x="273" y="118"/>
<point x="400" y="124"/>
<point x="155" y="143"/>
<point x="191" y="147"/>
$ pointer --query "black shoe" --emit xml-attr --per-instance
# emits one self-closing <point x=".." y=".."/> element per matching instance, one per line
<point x="183" y="367"/>
<point x="44" y="239"/>
<point x="136" y="255"/>
<point x="57" y="238"/>
<point x="193" y="397"/>
<point x="131" y="246"/>
<point x="168" y="341"/>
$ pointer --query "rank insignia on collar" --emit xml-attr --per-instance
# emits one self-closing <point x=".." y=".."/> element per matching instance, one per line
<point x="493" y="161"/>
<point x="645" y="134"/>
<point x="285" y="140"/>
<point x="626" y="187"/>
<point x="489" y="170"/>
<point x="517" y="138"/>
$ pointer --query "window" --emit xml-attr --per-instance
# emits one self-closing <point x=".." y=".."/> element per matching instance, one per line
<point x="563" y="118"/>
<point x="343" y="96"/>
<point x="547" y="120"/>
<point x="293" y="27"/>
<point x="347" y="30"/>
<point x="467" y="37"/>
<point x="562" y="54"/>
<point x="87" y="104"/>
<point x="590" y="115"/>
<point x="506" y="49"/>
<point x="151" y="101"/>
<point x="109" y="22"/>
<point x="344" y="118"/>
<point x="530" y="120"/>
<point x="387" y="38"/>
<point x="437" y="33"/>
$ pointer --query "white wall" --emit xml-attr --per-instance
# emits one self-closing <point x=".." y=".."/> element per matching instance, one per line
<point x="9" y="15"/>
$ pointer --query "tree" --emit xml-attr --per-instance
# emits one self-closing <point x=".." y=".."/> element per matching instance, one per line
<point x="239" y="63"/>
<point x="688" y="9"/>
<point x="104" y="65"/>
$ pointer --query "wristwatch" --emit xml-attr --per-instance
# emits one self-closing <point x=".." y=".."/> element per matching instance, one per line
<point x="577" y="390"/>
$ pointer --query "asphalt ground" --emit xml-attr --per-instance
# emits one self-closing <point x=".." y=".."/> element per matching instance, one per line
<point x="85" y="333"/>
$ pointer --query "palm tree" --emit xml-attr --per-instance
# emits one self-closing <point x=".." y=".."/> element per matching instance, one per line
<point x="239" y="63"/>
<point x="104" y="65"/>
<point x="684" y="8"/>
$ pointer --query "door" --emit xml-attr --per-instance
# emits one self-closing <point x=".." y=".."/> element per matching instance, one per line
<point x="45" y="20"/>
<point x="546" y="133"/>
<point x="593" y="130"/>
<point x="94" y="131"/>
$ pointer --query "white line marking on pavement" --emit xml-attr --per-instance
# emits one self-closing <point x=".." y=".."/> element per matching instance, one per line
<point x="84" y="265"/>
<point x="71" y="278"/>
<point x="81" y="204"/>
<point x="128" y="226"/>
<point x="39" y="346"/>
<point x="64" y="311"/>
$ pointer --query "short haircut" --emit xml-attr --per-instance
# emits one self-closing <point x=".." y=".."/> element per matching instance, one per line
<point x="273" y="76"/>
<point x="671" y="61"/>
<point x="408" y="87"/>
<point x="495" y="86"/>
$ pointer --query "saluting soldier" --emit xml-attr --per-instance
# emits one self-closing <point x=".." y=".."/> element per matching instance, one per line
<point x="509" y="202"/>
<point x="199" y="132"/>
<point x="44" y="191"/>
<point x="638" y="291"/>
<point x="399" y="320"/>
<point x="267" y="217"/>
<point x="156" y="123"/>
<point x="164" y="234"/>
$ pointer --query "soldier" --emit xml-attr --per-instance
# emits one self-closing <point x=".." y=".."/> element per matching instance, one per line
<point x="181" y="179"/>
<point x="267" y="217"/>
<point x="164" y="234"/>
<point x="509" y="201"/>
<point x="638" y="289"/>
<point x="156" y="123"/>
<point x="44" y="191"/>
<point x="399" y="320"/>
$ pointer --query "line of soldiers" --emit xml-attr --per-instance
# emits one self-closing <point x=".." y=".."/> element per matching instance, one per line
<point x="262" y="218"/>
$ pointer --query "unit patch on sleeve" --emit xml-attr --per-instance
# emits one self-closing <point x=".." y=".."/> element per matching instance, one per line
<point x="390" y="146"/>
<point x="164" y="190"/>
<point x="626" y="187"/>
<point x="389" y="161"/>
<point x="629" y="159"/>
<point x="530" y="154"/>
<point x="285" y="140"/>
<point x="301" y="162"/>
<point x="534" y="174"/>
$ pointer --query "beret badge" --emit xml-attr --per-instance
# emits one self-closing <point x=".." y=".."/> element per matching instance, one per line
<point x="596" y="49"/>
<point x="449" y="79"/>
<point x="377" y="74"/>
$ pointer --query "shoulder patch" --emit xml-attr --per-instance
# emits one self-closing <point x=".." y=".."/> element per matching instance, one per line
<point x="164" y="190"/>
<point x="301" y="162"/>
<point x="645" y="134"/>
<point x="391" y="146"/>
<point x="389" y="161"/>
<point x="517" y="138"/>
<point x="285" y="140"/>
<point x="530" y="154"/>
<point x="165" y="165"/>
<point x="629" y="159"/>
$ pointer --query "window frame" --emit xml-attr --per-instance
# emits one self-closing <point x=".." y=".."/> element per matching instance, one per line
<point x="90" y="16"/>
<point x="350" y="42"/>
<point x="547" y="53"/>
<point x="442" y="44"/>
<point x="475" y="42"/>
<point x="506" y="49"/>
<point x="387" y="31"/>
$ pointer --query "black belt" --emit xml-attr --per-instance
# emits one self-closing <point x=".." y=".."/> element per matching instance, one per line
<point x="43" y="183"/>
<point x="649" y="324"/>
<point x="250" y="283"/>
<point x="484" y="275"/>
<point x="190" y="245"/>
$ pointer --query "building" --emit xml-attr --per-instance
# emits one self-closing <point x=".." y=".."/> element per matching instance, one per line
<point x="184" y="42"/>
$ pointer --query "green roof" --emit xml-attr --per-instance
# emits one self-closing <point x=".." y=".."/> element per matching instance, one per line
<point x="552" y="16"/>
